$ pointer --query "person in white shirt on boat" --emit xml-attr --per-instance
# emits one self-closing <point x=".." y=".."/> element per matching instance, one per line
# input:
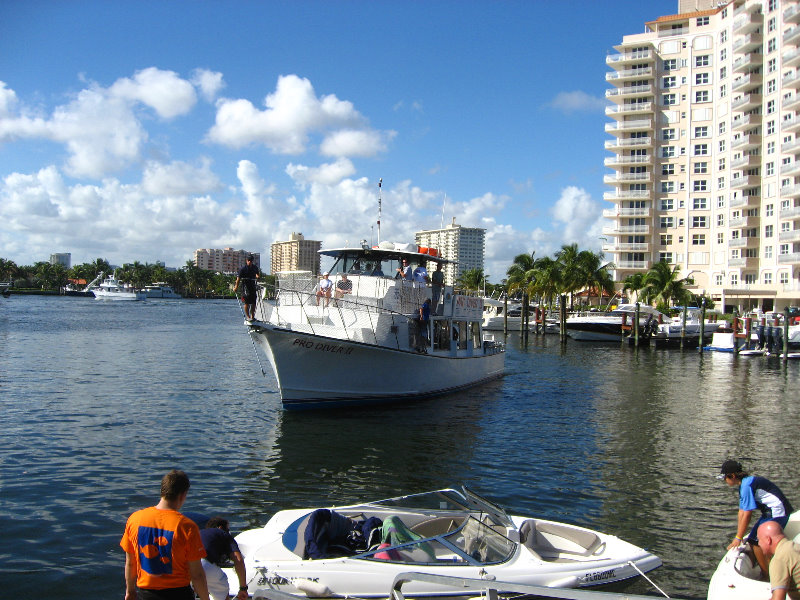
<point x="325" y="287"/>
<point x="420" y="274"/>
<point x="784" y="568"/>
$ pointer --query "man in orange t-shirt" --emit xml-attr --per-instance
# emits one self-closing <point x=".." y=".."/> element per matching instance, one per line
<point x="163" y="548"/>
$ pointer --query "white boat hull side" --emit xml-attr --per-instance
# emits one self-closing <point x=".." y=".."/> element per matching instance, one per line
<point x="315" y="371"/>
<point x="118" y="296"/>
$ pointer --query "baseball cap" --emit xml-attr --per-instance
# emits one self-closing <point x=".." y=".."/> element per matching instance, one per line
<point x="326" y="273"/>
<point x="729" y="467"/>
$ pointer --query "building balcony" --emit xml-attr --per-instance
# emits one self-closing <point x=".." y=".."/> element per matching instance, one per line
<point x="792" y="36"/>
<point x="623" y="160"/>
<point x="634" y="125"/>
<point x="790" y="58"/>
<point x="748" y="23"/>
<point x="745" y="83"/>
<point x="621" y="60"/>
<point x="621" y="212"/>
<point x="743" y="181"/>
<point x="627" y="195"/>
<point x="746" y="161"/>
<point x="741" y="222"/>
<point x="745" y="202"/>
<point x="789" y="236"/>
<point x="748" y="121"/>
<point x="792" y="168"/>
<point x="790" y="213"/>
<point x="746" y="261"/>
<point x="791" y="147"/>
<point x="743" y="242"/>
<point x="792" y="14"/>
<point x="629" y="91"/>
<point x="748" y="43"/>
<point x="792" y="258"/>
<point x="627" y="247"/>
<point x="619" y="144"/>
<point x="623" y="110"/>
<point x="745" y="9"/>
<point x="615" y="77"/>
<point x="626" y="230"/>
<point x="747" y="102"/>
<point x="792" y="123"/>
<point x="791" y="81"/>
<point x="746" y="142"/>
<point x="632" y="265"/>
<point x="748" y="62"/>
<point x="618" y="178"/>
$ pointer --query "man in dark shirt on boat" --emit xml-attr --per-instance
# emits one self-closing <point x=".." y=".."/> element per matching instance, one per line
<point x="220" y="545"/>
<point x="345" y="286"/>
<point x="247" y="276"/>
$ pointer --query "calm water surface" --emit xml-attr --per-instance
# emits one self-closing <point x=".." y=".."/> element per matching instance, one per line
<point x="101" y="399"/>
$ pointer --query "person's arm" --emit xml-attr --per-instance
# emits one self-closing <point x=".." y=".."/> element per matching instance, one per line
<point x="198" y="577"/>
<point x="130" y="578"/>
<point x="238" y="566"/>
<point x="236" y="285"/>
<point x="779" y="594"/>
<point x="742" y="521"/>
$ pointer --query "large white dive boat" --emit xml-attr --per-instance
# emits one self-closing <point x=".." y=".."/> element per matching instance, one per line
<point x="607" y="327"/>
<point x="160" y="290"/>
<point x="113" y="289"/>
<point x="738" y="576"/>
<point x="356" y="551"/>
<point x="365" y="346"/>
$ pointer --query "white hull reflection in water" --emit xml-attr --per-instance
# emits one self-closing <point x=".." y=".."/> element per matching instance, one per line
<point x="613" y="439"/>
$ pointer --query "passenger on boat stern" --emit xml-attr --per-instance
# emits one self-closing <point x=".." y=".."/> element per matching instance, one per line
<point x="784" y="568"/>
<point x="324" y="291"/>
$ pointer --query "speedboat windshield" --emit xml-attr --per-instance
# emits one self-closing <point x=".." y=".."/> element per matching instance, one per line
<point x="481" y="504"/>
<point x="438" y="500"/>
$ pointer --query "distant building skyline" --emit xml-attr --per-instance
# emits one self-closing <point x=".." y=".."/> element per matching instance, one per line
<point x="223" y="260"/>
<point x="295" y="254"/>
<point x="464" y="246"/>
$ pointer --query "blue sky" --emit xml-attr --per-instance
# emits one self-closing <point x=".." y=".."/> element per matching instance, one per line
<point x="144" y="130"/>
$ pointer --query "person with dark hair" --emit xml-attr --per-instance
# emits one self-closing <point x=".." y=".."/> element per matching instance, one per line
<point x="220" y="547"/>
<point x="163" y="548"/>
<point x="784" y="566"/>
<point x="754" y="492"/>
<point x="248" y="275"/>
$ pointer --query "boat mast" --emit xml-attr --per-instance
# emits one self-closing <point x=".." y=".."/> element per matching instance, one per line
<point x="380" y="182"/>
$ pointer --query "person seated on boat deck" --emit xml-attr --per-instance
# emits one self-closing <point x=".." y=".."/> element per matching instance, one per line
<point x="755" y="492"/>
<point x="344" y="286"/>
<point x="405" y="272"/>
<point x="784" y="566"/>
<point x="220" y="546"/>
<point x="325" y="286"/>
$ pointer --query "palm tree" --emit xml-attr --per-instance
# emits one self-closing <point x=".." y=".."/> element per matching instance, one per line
<point x="8" y="269"/>
<point x="547" y="281"/>
<point x="571" y="272"/>
<point x="596" y="274"/>
<point x="521" y="272"/>
<point x="634" y="284"/>
<point x="663" y="286"/>
<point x="472" y="280"/>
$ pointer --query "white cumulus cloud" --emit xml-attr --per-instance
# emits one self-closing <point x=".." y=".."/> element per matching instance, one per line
<point x="578" y="101"/>
<point x="208" y="82"/>
<point x="163" y="91"/>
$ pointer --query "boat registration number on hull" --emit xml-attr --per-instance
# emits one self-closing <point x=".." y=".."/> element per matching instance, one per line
<point x="600" y="576"/>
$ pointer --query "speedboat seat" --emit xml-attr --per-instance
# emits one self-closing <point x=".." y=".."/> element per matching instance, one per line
<point x="551" y="540"/>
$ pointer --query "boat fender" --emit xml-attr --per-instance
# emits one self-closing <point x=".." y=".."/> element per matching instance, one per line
<point x="312" y="589"/>
<point x="564" y="582"/>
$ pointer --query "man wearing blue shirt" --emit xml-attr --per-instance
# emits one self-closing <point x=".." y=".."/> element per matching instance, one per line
<point x="755" y="492"/>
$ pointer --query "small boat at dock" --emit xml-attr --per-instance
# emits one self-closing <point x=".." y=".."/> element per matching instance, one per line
<point x="612" y="326"/>
<point x="160" y="290"/>
<point x="113" y="289"/>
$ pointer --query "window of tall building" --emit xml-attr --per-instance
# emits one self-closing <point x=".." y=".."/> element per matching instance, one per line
<point x="701" y="167"/>
<point x="771" y="86"/>
<point x="772" y="65"/>
<point x="723" y="91"/>
<point x="720" y="201"/>
<point x="665" y="257"/>
<point x="699" y="222"/>
<point x="666" y="222"/>
<point x="666" y="239"/>
<point x="668" y="151"/>
<point x="700" y="203"/>
<point x="767" y="251"/>
<point x="734" y="279"/>
<point x="772" y="5"/>
<point x="701" y="96"/>
<point x="783" y="249"/>
<point x="770" y="127"/>
<point x="784" y="278"/>
<point x="701" y="131"/>
<point x="701" y="79"/>
<point x="722" y="145"/>
<point x="767" y="278"/>
<point x="669" y="99"/>
<point x="770" y="168"/>
<point x="720" y="220"/>
<point x="667" y="204"/>
<point x="720" y="183"/>
<point x="718" y="279"/>
<point x="701" y="149"/>
<point x="721" y="164"/>
<point x="772" y="25"/>
<point x="698" y="239"/>
<point x="770" y="147"/>
<point x="768" y="231"/>
<point x="668" y="134"/>
<point x="768" y="210"/>
<point x="667" y="187"/>
<point x="702" y="60"/>
<point x="668" y="82"/>
<point x="700" y="185"/>
<point x="786" y="226"/>
<point x="723" y="73"/>
<point x="668" y="169"/>
<point x="723" y="54"/>
<point x="772" y="45"/>
<point x="720" y="238"/>
<point x="670" y="64"/>
<point x="702" y="21"/>
<point x="770" y="107"/>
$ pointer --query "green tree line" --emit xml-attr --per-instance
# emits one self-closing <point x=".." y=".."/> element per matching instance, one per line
<point x="189" y="280"/>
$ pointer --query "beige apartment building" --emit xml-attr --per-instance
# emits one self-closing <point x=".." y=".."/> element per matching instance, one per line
<point x="296" y="254"/>
<point x="224" y="260"/>
<point x="705" y="121"/>
<point x="464" y="246"/>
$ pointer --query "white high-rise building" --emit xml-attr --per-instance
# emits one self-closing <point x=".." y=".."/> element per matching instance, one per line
<point x="223" y="260"/>
<point x="296" y="254"/>
<point x="705" y="124"/>
<point x="61" y="258"/>
<point x="464" y="246"/>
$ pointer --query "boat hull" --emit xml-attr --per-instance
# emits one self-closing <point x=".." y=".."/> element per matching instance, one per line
<point x="316" y="372"/>
<point x="118" y="296"/>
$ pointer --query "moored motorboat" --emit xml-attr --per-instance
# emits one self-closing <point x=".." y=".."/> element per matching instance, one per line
<point x="367" y="346"/>
<point x="738" y="576"/>
<point x="358" y="550"/>
<point x="160" y="290"/>
<point x="113" y="289"/>
<point x="610" y="326"/>
<point x="675" y="332"/>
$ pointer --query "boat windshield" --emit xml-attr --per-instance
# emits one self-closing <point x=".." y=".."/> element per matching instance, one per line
<point x="483" y="505"/>
<point x="438" y="500"/>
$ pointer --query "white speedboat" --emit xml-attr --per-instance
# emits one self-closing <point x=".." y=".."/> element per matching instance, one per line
<point x="160" y="290"/>
<point x="738" y="575"/>
<point x="365" y="346"/>
<point x="356" y="551"/>
<point x="669" y="334"/>
<point x="113" y="289"/>
<point x="608" y="326"/>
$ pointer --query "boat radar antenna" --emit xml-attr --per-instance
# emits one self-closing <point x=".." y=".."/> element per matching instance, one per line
<point x="380" y="184"/>
<point x="443" y="205"/>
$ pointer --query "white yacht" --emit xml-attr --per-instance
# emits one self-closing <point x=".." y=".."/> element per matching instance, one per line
<point x="608" y="326"/>
<point x="113" y="289"/>
<point x="366" y="346"/>
<point x="160" y="290"/>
